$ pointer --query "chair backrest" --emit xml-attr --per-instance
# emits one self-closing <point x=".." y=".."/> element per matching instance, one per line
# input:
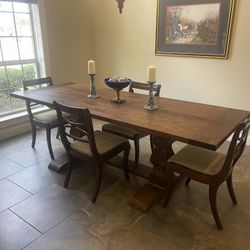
<point x="75" y="123"/>
<point x="46" y="81"/>
<point x="145" y="86"/>
<point x="236" y="147"/>
<point x="40" y="82"/>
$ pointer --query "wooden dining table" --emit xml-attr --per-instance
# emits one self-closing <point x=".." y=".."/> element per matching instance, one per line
<point x="203" y="125"/>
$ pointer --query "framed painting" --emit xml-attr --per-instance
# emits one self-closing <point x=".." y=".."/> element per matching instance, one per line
<point x="194" y="27"/>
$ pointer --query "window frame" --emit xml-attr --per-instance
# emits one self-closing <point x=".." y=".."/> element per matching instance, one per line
<point x="38" y="60"/>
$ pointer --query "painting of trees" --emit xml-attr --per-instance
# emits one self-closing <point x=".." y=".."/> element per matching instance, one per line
<point x="192" y="24"/>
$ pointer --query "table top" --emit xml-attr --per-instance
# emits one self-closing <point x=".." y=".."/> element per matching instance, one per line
<point x="194" y="123"/>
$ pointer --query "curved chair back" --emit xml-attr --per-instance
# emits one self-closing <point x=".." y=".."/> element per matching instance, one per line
<point x="46" y="81"/>
<point x="40" y="82"/>
<point x="236" y="147"/>
<point x="145" y="86"/>
<point x="75" y="123"/>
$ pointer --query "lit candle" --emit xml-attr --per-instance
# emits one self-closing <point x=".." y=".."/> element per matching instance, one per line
<point x="91" y="67"/>
<point x="151" y="73"/>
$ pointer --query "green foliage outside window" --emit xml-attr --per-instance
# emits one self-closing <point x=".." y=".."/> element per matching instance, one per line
<point x="13" y="82"/>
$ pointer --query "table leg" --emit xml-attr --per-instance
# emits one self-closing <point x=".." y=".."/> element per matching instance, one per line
<point x="157" y="181"/>
<point x="59" y="163"/>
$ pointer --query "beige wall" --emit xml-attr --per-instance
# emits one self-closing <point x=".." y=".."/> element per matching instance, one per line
<point x="124" y="45"/>
<point x="67" y="34"/>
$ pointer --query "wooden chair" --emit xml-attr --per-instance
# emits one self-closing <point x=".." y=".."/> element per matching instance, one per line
<point x="129" y="133"/>
<point x="208" y="167"/>
<point x="95" y="147"/>
<point x="47" y="120"/>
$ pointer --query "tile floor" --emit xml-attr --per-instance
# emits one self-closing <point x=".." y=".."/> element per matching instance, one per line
<point x="36" y="212"/>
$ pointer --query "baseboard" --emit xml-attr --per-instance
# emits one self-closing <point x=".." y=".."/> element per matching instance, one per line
<point x="17" y="124"/>
<point x="14" y="128"/>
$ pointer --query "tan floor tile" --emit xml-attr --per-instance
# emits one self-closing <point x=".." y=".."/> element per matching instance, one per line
<point x="184" y="226"/>
<point x="137" y="239"/>
<point x="110" y="212"/>
<point x="110" y="224"/>
<point x="68" y="235"/>
<point x="235" y="234"/>
<point x="8" y="167"/>
<point x="49" y="207"/>
<point x="15" y="233"/>
<point x="11" y="194"/>
<point x="37" y="177"/>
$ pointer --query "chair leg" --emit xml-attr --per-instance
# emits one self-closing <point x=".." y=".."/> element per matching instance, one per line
<point x="212" y="198"/>
<point x="231" y="189"/>
<point x="137" y="151"/>
<point x="58" y="133"/>
<point x="151" y="143"/>
<point x="48" y="135"/>
<point x="33" y="129"/>
<point x="99" y="170"/>
<point x="68" y="175"/>
<point x="125" y="162"/>
<point x="187" y="181"/>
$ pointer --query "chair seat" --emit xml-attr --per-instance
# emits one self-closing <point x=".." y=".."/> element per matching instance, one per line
<point x="199" y="159"/>
<point x="104" y="143"/>
<point x="49" y="117"/>
<point x="123" y="131"/>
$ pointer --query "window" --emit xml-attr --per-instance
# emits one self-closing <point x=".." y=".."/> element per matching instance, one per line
<point x="20" y="54"/>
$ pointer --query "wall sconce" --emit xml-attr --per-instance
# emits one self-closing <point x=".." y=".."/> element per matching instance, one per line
<point x="120" y="4"/>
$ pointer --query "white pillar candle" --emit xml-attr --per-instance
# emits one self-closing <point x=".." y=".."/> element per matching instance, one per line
<point x="151" y="73"/>
<point x="91" y="67"/>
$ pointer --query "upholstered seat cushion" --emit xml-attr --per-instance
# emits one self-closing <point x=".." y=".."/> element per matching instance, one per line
<point x="49" y="117"/>
<point x="122" y="131"/>
<point x="199" y="159"/>
<point x="104" y="143"/>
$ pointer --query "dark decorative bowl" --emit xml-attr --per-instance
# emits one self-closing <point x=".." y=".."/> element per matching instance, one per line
<point x="117" y="84"/>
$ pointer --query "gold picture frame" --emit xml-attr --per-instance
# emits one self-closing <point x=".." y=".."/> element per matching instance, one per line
<point x="199" y="28"/>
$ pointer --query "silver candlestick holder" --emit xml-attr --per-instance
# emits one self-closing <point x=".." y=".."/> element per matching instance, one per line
<point x="150" y="102"/>
<point x="92" y="90"/>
